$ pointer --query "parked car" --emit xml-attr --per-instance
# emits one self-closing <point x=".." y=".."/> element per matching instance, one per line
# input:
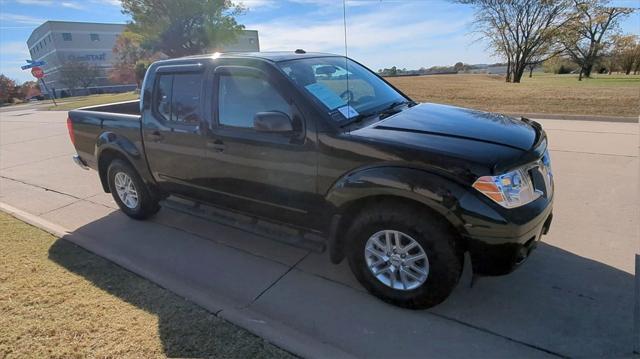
<point x="320" y="142"/>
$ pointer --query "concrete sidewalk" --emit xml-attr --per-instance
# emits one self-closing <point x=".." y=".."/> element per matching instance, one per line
<point x="574" y="297"/>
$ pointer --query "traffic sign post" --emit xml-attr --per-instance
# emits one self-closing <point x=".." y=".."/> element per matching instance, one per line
<point x="38" y="73"/>
<point x="31" y="64"/>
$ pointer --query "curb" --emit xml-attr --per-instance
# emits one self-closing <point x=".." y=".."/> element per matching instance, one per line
<point x="547" y="116"/>
<point x="262" y="326"/>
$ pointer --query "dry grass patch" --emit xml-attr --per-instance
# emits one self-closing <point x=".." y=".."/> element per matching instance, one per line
<point x="60" y="301"/>
<point x="612" y="95"/>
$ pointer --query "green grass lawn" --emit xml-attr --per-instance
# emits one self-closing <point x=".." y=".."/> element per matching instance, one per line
<point x="58" y="300"/>
<point x="72" y="103"/>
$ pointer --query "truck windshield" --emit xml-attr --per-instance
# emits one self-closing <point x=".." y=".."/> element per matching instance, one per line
<point x="346" y="89"/>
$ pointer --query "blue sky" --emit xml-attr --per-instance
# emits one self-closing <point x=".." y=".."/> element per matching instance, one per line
<point x="409" y="33"/>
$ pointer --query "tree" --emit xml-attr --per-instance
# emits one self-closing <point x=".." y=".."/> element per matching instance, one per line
<point x="185" y="27"/>
<point x="128" y="48"/>
<point x="7" y="89"/>
<point x="128" y="51"/>
<point x="587" y="33"/>
<point x="543" y="54"/>
<point x="30" y="89"/>
<point x="626" y="52"/>
<point x="459" y="66"/>
<point x="122" y="74"/>
<point x="140" y="70"/>
<point x="79" y="74"/>
<point x="608" y="63"/>
<point x="520" y="30"/>
<point x="559" y="65"/>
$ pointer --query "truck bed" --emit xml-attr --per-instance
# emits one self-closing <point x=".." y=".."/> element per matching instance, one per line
<point x="120" y="120"/>
<point x="127" y="107"/>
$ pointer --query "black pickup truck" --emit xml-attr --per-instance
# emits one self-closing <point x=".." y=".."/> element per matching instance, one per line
<point x="319" y="142"/>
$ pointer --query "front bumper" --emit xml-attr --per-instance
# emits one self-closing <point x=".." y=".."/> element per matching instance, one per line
<point x="498" y="239"/>
<point x="489" y="258"/>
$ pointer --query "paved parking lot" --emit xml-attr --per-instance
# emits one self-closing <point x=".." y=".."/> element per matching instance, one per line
<point x="574" y="297"/>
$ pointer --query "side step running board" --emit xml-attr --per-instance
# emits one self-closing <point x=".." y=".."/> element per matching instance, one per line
<point x="272" y="230"/>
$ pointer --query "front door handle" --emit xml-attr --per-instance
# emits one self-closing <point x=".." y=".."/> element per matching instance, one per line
<point x="216" y="145"/>
<point x="156" y="136"/>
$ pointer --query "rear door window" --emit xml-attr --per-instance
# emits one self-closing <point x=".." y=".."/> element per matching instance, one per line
<point x="163" y="97"/>
<point x="178" y="98"/>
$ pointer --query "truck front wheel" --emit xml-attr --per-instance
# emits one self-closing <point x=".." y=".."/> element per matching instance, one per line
<point x="404" y="256"/>
<point x="130" y="192"/>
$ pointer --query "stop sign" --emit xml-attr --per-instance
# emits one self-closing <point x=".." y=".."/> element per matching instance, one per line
<point x="37" y="72"/>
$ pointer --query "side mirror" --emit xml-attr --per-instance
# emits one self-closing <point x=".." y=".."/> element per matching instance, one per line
<point x="272" y="121"/>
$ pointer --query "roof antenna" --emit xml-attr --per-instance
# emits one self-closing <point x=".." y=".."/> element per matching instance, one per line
<point x="346" y="65"/>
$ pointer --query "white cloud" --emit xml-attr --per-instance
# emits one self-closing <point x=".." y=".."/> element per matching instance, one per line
<point x="13" y="55"/>
<point x="6" y="17"/>
<point x="35" y="2"/>
<point x="71" y="5"/>
<point x="15" y="49"/>
<point x="108" y="2"/>
<point x="404" y="34"/>
<point x="381" y="27"/>
<point x="258" y="3"/>
<point x="68" y="4"/>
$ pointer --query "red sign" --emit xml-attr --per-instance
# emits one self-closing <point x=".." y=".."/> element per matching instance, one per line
<point x="37" y="72"/>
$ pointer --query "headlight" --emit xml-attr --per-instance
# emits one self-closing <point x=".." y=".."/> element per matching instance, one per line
<point x="513" y="189"/>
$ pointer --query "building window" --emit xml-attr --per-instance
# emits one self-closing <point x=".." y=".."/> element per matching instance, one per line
<point x="66" y="36"/>
<point x="94" y="37"/>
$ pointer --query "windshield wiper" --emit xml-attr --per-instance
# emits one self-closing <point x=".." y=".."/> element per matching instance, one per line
<point x="392" y="108"/>
<point x="385" y="112"/>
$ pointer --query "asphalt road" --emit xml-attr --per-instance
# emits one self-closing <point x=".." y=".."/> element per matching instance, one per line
<point x="574" y="297"/>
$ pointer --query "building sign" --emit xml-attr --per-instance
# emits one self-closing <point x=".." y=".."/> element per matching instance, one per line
<point x="88" y="57"/>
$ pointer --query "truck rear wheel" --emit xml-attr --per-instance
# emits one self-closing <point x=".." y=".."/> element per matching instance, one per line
<point x="130" y="192"/>
<point x="404" y="256"/>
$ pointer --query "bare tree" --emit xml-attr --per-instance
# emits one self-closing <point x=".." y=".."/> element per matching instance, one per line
<point x="626" y="52"/>
<point x="520" y="30"/>
<point x="78" y="74"/>
<point x="587" y="32"/>
<point x="544" y="53"/>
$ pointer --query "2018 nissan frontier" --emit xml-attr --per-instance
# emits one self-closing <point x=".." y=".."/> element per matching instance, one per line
<point x="319" y="142"/>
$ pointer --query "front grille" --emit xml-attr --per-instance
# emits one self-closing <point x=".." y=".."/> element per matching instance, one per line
<point x="542" y="177"/>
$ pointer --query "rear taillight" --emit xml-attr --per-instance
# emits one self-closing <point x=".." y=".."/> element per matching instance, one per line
<point x="70" y="128"/>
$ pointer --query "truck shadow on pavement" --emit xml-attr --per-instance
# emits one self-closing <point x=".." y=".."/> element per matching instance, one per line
<point x="557" y="302"/>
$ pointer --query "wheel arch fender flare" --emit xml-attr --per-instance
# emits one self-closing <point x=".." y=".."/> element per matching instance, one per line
<point x="109" y="146"/>
<point x="434" y="192"/>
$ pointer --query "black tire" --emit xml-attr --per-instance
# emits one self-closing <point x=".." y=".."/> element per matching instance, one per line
<point x="442" y="247"/>
<point x="146" y="206"/>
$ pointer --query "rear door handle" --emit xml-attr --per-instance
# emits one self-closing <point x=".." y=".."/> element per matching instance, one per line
<point x="216" y="145"/>
<point x="156" y="136"/>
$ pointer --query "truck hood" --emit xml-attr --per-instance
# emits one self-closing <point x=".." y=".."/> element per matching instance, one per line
<point x="462" y="123"/>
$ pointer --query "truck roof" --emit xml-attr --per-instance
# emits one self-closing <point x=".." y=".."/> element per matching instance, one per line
<point x="275" y="56"/>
